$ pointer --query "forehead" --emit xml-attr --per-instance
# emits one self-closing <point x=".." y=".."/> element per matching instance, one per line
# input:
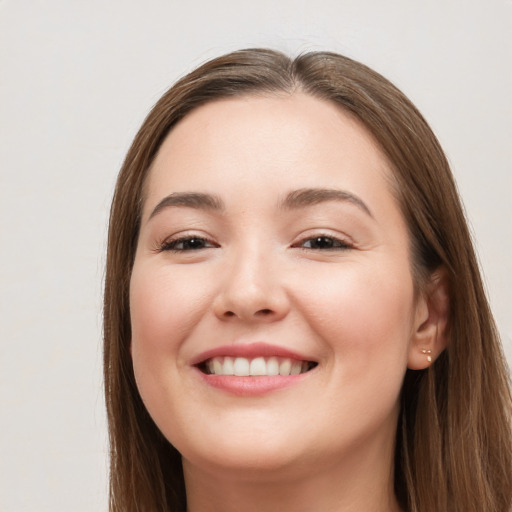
<point x="274" y="141"/>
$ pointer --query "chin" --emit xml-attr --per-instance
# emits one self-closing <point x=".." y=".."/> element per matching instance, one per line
<point x="251" y="464"/>
<point x="248" y="454"/>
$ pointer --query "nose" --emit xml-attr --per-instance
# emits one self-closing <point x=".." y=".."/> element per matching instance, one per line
<point x="252" y="290"/>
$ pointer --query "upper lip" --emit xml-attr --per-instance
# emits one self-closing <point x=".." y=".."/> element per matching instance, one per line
<point x="250" y="351"/>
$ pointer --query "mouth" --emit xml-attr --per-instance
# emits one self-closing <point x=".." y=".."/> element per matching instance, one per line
<point x="255" y="367"/>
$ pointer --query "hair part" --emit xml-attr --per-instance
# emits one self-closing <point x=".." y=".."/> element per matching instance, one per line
<point x="453" y="449"/>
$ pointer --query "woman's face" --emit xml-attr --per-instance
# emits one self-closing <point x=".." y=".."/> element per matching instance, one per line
<point x="271" y="244"/>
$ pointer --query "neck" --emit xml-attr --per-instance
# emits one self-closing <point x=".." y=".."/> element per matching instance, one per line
<point x="358" y="484"/>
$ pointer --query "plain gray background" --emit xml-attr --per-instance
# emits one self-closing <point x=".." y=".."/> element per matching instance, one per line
<point x="76" y="80"/>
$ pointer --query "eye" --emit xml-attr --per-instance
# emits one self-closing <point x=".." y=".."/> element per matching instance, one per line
<point x="323" y="242"/>
<point x="187" y="243"/>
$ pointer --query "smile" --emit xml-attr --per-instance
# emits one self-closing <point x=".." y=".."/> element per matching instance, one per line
<point x="255" y="367"/>
<point x="252" y="369"/>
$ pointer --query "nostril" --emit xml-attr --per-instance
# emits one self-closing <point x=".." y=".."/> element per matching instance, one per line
<point x="264" y="312"/>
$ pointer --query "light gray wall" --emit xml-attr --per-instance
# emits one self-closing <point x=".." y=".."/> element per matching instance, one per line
<point x="76" y="80"/>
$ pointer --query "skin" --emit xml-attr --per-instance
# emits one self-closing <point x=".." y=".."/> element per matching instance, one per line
<point x="326" y="442"/>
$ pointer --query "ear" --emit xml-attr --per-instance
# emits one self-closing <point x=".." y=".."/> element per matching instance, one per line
<point x="429" y="336"/>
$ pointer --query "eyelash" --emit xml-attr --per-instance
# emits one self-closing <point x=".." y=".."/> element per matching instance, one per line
<point x="331" y="244"/>
<point x="172" y="245"/>
<point x="335" y="243"/>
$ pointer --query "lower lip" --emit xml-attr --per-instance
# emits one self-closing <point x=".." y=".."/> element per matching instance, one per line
<point x="250" y="386"/>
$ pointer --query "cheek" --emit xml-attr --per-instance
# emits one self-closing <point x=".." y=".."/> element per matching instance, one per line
<point x="365" y="314"/>
<point x="163" y="307"/>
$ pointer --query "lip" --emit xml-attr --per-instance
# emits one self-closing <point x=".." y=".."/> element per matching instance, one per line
<point x="250" y="385"/>
<point x="250" y="351"/>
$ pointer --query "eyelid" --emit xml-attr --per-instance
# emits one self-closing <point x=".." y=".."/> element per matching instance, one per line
<point x="165" y="244"/>
<point x="344" y="241"/>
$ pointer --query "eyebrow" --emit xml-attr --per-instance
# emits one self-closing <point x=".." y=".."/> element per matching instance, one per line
<point x="311" y="196"/>
<point x="196" y="200"/>
<point x="293" y="200"/>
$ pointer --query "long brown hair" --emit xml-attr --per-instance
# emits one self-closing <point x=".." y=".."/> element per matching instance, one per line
<point x="453" y="449"/>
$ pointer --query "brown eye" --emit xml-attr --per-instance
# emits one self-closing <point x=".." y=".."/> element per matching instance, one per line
<point x="191" y="243"/>
<point x="324" y="243"/>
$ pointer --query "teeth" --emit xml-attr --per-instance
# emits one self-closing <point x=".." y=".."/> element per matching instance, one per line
<point x="285" y="367"/>
<point x="241" y="366"/>
<point x="296" y="368"/>
<point x="259" y="366"/>
<point x="217" y="366"/>
<point x="228" y="368"/>
<point x="273" y="366"/>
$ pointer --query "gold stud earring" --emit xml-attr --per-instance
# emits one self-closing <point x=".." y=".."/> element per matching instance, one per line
<point x="428" y="353"/>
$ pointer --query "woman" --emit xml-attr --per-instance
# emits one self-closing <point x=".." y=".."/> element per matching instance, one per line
<point x="294" y="316"/>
